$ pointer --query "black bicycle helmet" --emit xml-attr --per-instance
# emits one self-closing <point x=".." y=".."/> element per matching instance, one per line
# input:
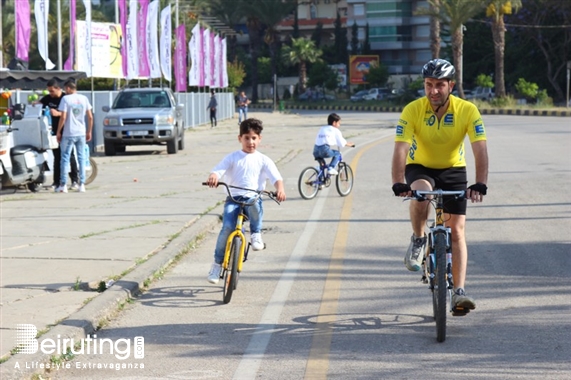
<point x="438" y="69"/>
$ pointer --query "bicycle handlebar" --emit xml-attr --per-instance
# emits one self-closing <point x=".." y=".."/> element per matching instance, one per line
<point x="270" y="194"/>
<point x="420" y="195"/>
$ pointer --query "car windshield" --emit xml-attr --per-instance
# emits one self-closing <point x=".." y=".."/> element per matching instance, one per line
<point x="361" y="93"/>
<point x="143" y="99"/>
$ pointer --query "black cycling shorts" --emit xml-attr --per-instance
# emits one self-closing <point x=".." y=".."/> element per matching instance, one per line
<point x="446" y="179"/>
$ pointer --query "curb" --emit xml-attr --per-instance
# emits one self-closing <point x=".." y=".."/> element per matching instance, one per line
<point x="492" y="111"/>
<point x="86" y="320"/>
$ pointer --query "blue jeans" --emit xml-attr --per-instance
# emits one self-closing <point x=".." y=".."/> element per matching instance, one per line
<point x="255" y="214"/>
<point x="325" y="151"/>
<point x="66" y="146"/>
<point x="242" y="111"/>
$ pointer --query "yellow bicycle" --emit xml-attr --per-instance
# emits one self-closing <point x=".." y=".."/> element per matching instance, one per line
<point x="237" y="247"/>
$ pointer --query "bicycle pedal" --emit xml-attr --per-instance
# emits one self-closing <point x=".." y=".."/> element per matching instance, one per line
<point x="459" y="311"/>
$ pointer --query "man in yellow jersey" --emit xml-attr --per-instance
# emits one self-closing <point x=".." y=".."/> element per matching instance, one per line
<point x="429" y="153"/>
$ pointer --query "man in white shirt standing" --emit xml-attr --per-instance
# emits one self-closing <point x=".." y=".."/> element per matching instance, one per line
<point x="328" y="136"/>
<point x="72" y="131"/>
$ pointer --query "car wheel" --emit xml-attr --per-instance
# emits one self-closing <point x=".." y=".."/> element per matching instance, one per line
<point x="109" y="148"/>
<point x="181" y="141"/>
<point x="172" y="145"/>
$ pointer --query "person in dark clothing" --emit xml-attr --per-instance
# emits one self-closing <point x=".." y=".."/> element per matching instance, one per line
<point x="212" y="107"/>
<point x="52" y="101"/>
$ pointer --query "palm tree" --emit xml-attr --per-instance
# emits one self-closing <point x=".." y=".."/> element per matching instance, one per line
<point x="454" y="13"/>
<point x="496" y="9"/>
<point x="270" y="13"/>
<point x="435" y="39"/>
<point x="301" y="52"/>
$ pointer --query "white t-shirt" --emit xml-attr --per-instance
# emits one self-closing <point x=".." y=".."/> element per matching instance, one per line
<point x="331" y="136"/>
<point x="248" y="170"/>
<point x="75" y="105"/>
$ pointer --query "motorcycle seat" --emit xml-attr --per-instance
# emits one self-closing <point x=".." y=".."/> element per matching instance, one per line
<point x="21" y="149"/>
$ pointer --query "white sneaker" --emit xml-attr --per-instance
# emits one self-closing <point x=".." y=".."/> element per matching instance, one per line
<point x="81" y="188"/>
<point x="333" y="171"/>
<point x="61" y="189"/>
<point x="214" y="274"/>
<point x="74" y="186"/>
<point x="257" y="242"/>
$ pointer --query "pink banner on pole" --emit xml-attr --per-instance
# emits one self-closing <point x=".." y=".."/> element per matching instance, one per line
<point x="180" y="59"/>
<point x="201" y="59"/>
<point x="68" y="65"/>
<point x="23" y="29"/>
<point x="213" y="61"/>
<point x="123" y="22"/>
<point x="144" y="68"/>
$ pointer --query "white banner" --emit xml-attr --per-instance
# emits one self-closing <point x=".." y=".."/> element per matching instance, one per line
<point x="165" y="43"/>
<point x="87" y="41"/>
<point x="106" y="62"/>
<point x="193" y="44"/>
<point x="41" y="9"/>
<point x="217" y="82"/>
<point x="152" y="39"/>
<point x="131" y="37"/>
<point x="224" y="64"/>
<point x="206" y="55"/>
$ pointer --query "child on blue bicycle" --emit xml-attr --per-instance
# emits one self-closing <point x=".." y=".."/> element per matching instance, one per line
<point x="247" y="168"/>
<point x="328" y="136"/>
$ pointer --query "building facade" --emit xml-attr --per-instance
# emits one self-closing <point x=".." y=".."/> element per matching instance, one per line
<point x="312" y="12"/>
<point x="396" y="34"/>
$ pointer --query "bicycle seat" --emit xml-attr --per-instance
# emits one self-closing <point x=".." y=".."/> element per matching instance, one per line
<point x="321" y="161"/>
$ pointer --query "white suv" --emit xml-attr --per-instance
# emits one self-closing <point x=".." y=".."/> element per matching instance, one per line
<point x="143" y="116"/>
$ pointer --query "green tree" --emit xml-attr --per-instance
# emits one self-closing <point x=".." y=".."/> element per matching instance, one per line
<point x="321" y="75"/>
<point x="496" y="9"/>
<point x="542" y="51"/>
<point x="236" y="74"/>
<point x="485" y="81"/>
<point x="378" y="75"/>
<point x="316" y="35"/>
<point x="367" y="43"/>
<point x="340" y="41"/>
<point x="301" y="52"/>
<point x="354" y="39"/>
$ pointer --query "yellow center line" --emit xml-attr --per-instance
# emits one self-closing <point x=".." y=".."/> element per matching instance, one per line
<point x="318" y="360"/>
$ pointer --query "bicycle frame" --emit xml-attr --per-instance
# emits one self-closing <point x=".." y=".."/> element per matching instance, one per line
<point x="237" y="232"/>
<point x="439" y="256"/>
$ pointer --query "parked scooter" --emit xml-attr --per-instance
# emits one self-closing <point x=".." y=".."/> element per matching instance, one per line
<point x="24" y="143"/>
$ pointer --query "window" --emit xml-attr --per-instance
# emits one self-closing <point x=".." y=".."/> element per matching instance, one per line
<point x="359" y="9"/>
<point x="312" y="11"/>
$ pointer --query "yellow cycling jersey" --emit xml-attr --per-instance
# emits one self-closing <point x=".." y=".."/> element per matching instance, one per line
<point x="439" y="144"/>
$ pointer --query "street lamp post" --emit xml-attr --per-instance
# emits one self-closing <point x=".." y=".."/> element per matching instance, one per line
<point x="568" y="77"/>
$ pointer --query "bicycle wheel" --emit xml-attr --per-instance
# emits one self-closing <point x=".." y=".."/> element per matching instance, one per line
<point x="440" y="287"/>
<point x="231" y="274"/>
<point x="308" y="183"/>
<point x="91" y="171"/>
<point x="344" y="180"/>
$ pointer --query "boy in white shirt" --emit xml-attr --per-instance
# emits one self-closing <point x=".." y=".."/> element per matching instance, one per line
<point x="249" y="169"/>
<point x="326" y="137"/>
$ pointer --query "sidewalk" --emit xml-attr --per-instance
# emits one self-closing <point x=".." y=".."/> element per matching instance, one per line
<point x="143" y="210"/>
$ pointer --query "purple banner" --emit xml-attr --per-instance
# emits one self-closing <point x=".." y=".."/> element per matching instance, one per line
<point x="123" y="22"/>
<point x="68" y="65"/>
<point x="213" y="62"/>
<point x="201" y="59"/>
<point x="180" y="59"/>
<point x="23" y="29"/>
<point x="144" y="68"/>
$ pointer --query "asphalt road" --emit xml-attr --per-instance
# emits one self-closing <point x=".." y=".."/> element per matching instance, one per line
<point x="330" y="296"/>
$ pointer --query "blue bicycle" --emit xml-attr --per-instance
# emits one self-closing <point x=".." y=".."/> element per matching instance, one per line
<point x="312" y="179"/>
